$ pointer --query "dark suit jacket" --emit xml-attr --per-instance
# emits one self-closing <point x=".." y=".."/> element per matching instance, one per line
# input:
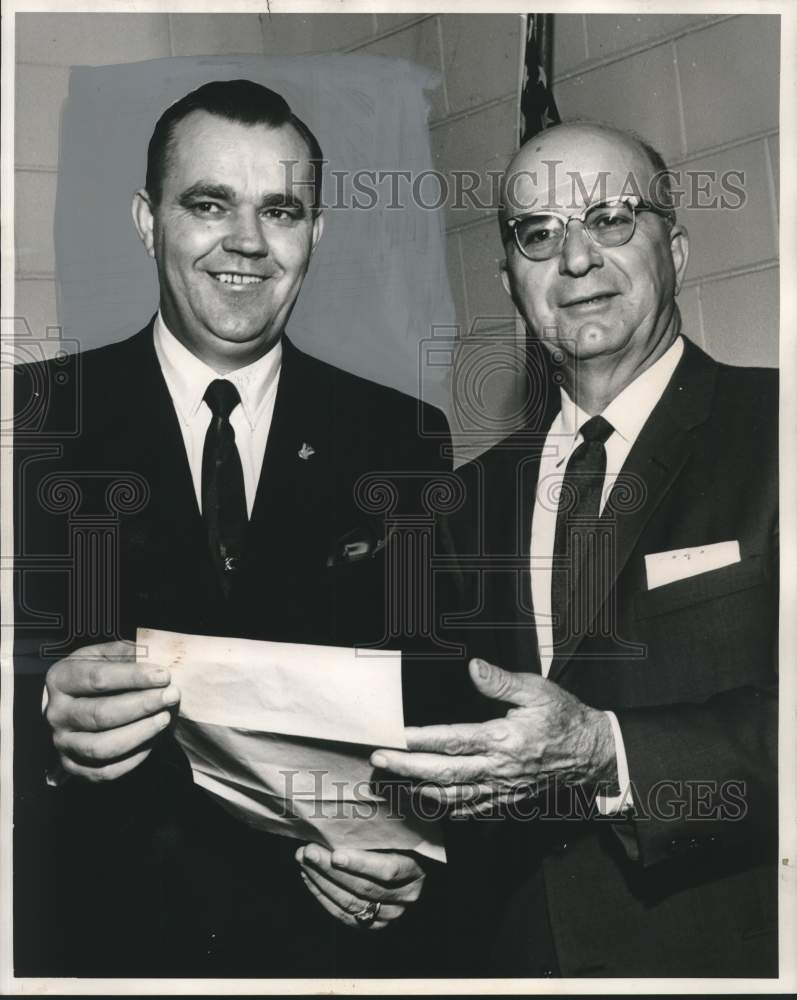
<point x="688" y="888"/>
<point x="146" y="875"/>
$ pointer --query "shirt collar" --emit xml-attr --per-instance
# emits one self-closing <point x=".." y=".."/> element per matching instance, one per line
<point x="629" y="410"/>
<point x="188" y="377"/>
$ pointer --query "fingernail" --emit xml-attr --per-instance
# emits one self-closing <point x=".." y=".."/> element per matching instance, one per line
<point x="484" y="669"/>
<point x="170" y="695"/>
<point x="299" y="855"/>
<point x="340" y="860"/>
<point x="379" y="760"/>
<point x="311" y="854"/>
<point x="157" y="675"/>
<point x="163" y="719"/>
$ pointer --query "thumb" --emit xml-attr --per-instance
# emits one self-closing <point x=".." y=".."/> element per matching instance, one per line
<point x="492" y="681"/>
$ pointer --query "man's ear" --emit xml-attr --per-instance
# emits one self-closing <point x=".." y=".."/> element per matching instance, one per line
<point x="502" y="267"/>
<point x="318" y="229"/>
<point x="144" y="219"/>
<point x="679" y="248"/>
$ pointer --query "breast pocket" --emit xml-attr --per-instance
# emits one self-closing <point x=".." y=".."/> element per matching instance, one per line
<point x="357" y="587"/>
<point x="710" y="632"/>
<point x="695" y="590"/>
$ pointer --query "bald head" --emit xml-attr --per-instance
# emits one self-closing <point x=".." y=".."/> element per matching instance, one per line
<point x="569" y="166"/>
<point x="607" y="303"/>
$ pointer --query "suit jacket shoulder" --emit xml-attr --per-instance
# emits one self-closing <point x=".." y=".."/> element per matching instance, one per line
<point x="360" y="409"/>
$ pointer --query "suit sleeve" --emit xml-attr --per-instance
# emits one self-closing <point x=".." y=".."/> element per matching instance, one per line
<point x="703" y="776"/>
<point x="64" y="836"/>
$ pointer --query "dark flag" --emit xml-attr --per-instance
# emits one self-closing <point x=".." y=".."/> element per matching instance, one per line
<point x="537" y="106"/>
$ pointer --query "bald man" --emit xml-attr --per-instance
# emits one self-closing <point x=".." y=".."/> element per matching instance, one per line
<point x="623" y="554"/>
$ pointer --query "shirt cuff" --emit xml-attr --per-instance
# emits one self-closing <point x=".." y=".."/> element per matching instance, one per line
<point x="613" y="805"/>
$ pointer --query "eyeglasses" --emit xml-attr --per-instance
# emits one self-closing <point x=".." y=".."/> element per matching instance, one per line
<point x="610" y="223"/>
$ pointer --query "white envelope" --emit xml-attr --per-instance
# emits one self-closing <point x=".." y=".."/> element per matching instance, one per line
<point x="281" y="734"/>
<point x="679" y="564"/>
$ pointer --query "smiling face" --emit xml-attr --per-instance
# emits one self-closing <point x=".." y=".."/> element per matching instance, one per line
<point x="232" y="235"/>
<point x="615" y="304"/>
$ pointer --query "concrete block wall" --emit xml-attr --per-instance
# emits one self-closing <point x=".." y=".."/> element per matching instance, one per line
<point x="704" y="90"/>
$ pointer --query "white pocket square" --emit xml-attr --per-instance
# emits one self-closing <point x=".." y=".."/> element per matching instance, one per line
<point x="678" y="564"/>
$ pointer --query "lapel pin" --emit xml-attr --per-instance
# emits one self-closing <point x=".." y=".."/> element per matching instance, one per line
<point x="306" y="451"/>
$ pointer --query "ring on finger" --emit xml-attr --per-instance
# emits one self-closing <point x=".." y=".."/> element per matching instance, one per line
<point x="368" y="914"/>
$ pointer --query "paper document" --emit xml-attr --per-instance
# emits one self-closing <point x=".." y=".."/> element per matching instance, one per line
<point x="281" y="734"/>
<point x="679" y="564"/>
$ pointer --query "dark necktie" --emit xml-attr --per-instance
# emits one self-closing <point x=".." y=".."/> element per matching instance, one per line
<point x="223" y="496"/>
<point x="577" y="539"/>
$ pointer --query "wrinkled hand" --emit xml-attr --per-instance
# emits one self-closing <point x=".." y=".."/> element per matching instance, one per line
<point x="345" y="881"/>
<point x="105" y="709"/>
<point x="549" y="736"/>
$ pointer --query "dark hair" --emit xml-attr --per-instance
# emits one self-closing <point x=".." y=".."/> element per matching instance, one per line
<point x="238" y="101"/>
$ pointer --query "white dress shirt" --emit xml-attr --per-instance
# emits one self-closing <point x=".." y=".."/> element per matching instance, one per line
<point x="187" y="378"/>
<point x="627" y="413"/>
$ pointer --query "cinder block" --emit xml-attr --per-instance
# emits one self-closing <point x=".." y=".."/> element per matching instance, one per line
<point x="481" y="57"/>
<point x="419" y="44"/>
<point x="483" y="142"/>
<point x="569" y="43"/>
<point x="40" y="95"/>
<point x="82" y="39"/>
<point x="35" y="304"/>
<point x="215" y="34"/>
<point x="488" y="303"/>
<point x="724" y="238"/>
<point x="608" y="34"/>
<point x="729" y="79"/>
<point x="638" y="93"/>
<point x="689" y="306"/>
<point x="33" y="221"/>
<point x="740" y="316"/>
<point x="293" y="34"/>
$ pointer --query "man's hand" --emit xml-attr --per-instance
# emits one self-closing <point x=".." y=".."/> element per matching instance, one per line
<point x="549" y="736"/>
<point x="345" y="881"/>
<point x="104" y="709"/>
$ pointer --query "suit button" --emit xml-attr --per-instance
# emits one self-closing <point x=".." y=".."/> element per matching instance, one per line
<point x="547" y="973"/>
<point x="694" y="842"/>
<point x="675" y="847"/>
<point x="559" y="846"/>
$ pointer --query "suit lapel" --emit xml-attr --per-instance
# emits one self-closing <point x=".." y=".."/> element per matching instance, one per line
<point x="507" y="534"/>
<point x="508" y="526"/>
<point x="525" y="633"/>
<point x="292" y="503"/>
<point x="156" y="441"/>
<point x="656" y="459"/>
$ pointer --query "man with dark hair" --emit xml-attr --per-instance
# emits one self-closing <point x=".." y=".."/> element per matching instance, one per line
<point x="237" y="457"/>
<point x="622" y="558"/>
<point x="239" y="101"/>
